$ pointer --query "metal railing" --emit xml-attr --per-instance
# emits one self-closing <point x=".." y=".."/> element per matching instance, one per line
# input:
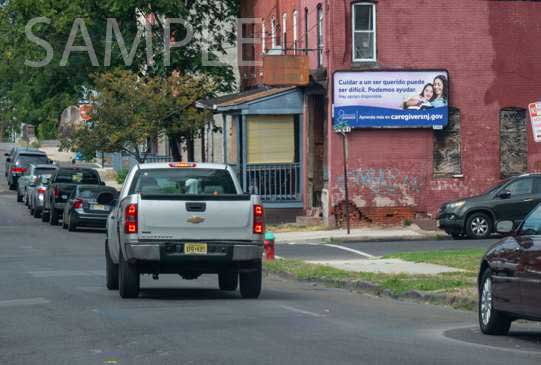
<point x="275" y="182"/>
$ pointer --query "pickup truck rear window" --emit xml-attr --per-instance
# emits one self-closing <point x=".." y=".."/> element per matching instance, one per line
<point x="77" y="177"/>
<point x="184" y="182"/>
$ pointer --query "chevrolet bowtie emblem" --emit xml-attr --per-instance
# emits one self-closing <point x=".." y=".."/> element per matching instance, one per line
<point x="196" y="220"/>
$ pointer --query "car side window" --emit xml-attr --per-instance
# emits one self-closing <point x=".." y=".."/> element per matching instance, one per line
<point x="537" y="185"/>
<point x="520" y="187"/>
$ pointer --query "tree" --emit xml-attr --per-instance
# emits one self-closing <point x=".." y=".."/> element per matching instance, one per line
<point x="39" y="95"/>
<point x="129" y="109"/>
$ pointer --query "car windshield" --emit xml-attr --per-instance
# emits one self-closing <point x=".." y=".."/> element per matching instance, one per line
<point x="93" y="192"/>
<point x="26" y="160"/>
<point x="185" y="181"/>
<point x="78" y="177"/>
<point x="532" y="224"/>
<point x="496" y="187"/>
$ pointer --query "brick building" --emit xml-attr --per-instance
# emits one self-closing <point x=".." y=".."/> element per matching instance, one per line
<point x="487" y="47"/>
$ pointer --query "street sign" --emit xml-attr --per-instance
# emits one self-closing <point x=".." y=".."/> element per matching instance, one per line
<point x="535" y="118"/>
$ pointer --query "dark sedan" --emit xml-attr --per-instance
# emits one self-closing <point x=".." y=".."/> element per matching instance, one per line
<point x="82" y="208"/>
<point x="476" y="216"/>
<point x="510" y="277"/>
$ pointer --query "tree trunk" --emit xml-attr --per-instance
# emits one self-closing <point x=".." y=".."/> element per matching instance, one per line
<point x="190" y="148"/>
<point x="175" y="150"/>
<point x="203" y="150"/>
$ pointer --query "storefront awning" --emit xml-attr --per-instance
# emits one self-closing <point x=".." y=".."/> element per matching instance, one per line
<point x="262" y="100"/>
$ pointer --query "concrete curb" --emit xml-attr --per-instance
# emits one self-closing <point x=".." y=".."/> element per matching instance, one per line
<point x="374" y="289"/>
<point x="363" y="239"/>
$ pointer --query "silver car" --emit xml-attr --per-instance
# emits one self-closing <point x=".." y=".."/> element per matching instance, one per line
<point x="37" y="196"/>
<point x="27" y="182"/>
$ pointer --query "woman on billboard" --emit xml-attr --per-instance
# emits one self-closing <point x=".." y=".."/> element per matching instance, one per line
<point x="441" y="91"/>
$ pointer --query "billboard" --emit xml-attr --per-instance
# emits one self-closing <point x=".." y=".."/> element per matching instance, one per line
<point x="535" y="119"/>
<point x="391" y="99"/>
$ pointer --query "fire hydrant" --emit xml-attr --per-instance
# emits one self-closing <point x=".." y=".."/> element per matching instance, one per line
<point x="269" y="246"/>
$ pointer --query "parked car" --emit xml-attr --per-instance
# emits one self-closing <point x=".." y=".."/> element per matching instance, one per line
<point x="19" y="163"/>
<point x="9" y="157"/>
<point x="37" y="196"/>
<point x="510" y="276"/>
<point x="61" y="185"/>
<point x="82" y="209"/>
<point x="475" y="217"/>
<point x="187" y="219"/>
<point x="28" y="180"/>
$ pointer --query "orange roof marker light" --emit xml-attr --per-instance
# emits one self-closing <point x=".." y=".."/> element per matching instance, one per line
<point x="180" y="165"/>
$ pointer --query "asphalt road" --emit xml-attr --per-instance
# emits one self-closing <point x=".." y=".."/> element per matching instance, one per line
<point x="55" y="309"/>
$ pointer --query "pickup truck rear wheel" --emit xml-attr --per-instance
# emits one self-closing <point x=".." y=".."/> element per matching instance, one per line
<point x="53" y="217"/>
<point x="111" y="269"/>
<point x="250" y="282"/>
<point x="128" y="279"/>
<point x="228" y="280"/>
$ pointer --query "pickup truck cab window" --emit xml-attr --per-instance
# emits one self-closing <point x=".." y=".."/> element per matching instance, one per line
<point x="76" y="176"/>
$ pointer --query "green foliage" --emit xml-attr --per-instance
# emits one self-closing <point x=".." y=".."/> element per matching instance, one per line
<point x="121" y="176"/>
<point x="47" y="130"/>
<point x="35" y="144"/>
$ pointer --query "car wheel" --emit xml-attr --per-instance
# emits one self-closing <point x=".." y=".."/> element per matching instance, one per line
<point x="250" y="282"/>
<point x="128" y="279"/>
<point x="12" y="187"/>
<point x="72" y="224"/>
<point x="479" y="225"/>
<point x="37" y="213"/>
<point x="53" y="217"/>
<point x="111" y="269"/>
<point x="19" y="197"/>
<point x="491" y="321"/>
<point x="44" y="216"/>
<point x="64" y="222"/>
<point x="228" y="280"/>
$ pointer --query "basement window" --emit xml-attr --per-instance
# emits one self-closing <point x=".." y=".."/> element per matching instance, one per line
<point x="447" y="148"/>
<point x="513" y="142"/>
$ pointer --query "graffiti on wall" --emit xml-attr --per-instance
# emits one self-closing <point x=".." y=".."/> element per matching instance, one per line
<point x="379" y="187"/>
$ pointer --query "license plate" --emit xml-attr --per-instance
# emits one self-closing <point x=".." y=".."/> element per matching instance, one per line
<point x="64" y="197"/>
<point x="98" y="207"/>
<point x="195" y="248"/>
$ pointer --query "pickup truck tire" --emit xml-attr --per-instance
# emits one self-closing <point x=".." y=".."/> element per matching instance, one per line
<point x="228" y="280"/>
<point x="111" y="269"/>
<point x="250" y="282"/>
<point x="53" y="216"/>
<point x="128" y="279"/>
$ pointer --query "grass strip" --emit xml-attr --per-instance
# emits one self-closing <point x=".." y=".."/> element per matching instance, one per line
<point x="467" y="259"/>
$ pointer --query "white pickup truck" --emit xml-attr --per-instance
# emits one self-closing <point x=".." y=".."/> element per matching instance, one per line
<point x="187" y="219"/>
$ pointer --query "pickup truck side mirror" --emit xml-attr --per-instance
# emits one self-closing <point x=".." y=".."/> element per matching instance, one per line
<point x="505" y="195"/>
<point x="106" y="198"/>
<point x="102" y="183"/>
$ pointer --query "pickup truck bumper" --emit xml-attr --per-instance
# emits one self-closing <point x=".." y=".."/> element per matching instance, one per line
<point x="219" y="252"/>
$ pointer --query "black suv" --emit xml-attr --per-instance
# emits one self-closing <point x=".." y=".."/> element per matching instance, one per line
<point x="476" y="217"/>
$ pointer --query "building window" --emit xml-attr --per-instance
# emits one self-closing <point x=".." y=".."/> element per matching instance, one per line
<point x="263" y="38"/>
<point x="320" y="40"/>
<point x="295" y="31"/>
<point x="273" y="32"/>
<point x="447" y="156"/>
<point x="364" y="32"/>
<point x="513" y="142"/>
<point x="284" y="32"/>
<point x="306" y="18"/>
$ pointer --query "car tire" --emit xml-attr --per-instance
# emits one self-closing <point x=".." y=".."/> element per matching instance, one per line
<point x="44" y="216"/>
<point x="250" y="282"/>
<point x="37" y="213"/>
<point x="72" y="224"/>
<point x="19" y="197"/>
<point x="479" y="226"/>
<point x="128" y="279"/>
<point x="111" y="270"/>
<point x="53" y="217"/>
<point x="228" y="280"/>
<point x="491" y="321"/>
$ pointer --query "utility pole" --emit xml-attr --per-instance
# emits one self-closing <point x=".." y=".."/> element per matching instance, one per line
<point x="344" y="130"/>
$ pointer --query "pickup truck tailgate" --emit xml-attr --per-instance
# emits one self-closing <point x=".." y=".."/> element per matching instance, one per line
<point x="223" y="219"/>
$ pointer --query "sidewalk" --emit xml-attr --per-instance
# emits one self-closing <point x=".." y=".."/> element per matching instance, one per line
<point x="361" y="234"/>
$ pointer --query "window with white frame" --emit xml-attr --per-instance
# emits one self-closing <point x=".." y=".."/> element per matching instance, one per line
<point x="295" y="31"/>
<point x="320" y="41"/>
<point x="263" y="37"/>
<point x="364" y="32"/>
<point x="284" y="31"/>
<point x="273" y="32"/>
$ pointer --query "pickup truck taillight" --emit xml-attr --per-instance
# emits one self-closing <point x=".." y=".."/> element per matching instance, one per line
<point x="130" y="219"/>
<point x="259" y="219"/>
<point x="77" y="204"/>
<point x="18" y="170"/>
